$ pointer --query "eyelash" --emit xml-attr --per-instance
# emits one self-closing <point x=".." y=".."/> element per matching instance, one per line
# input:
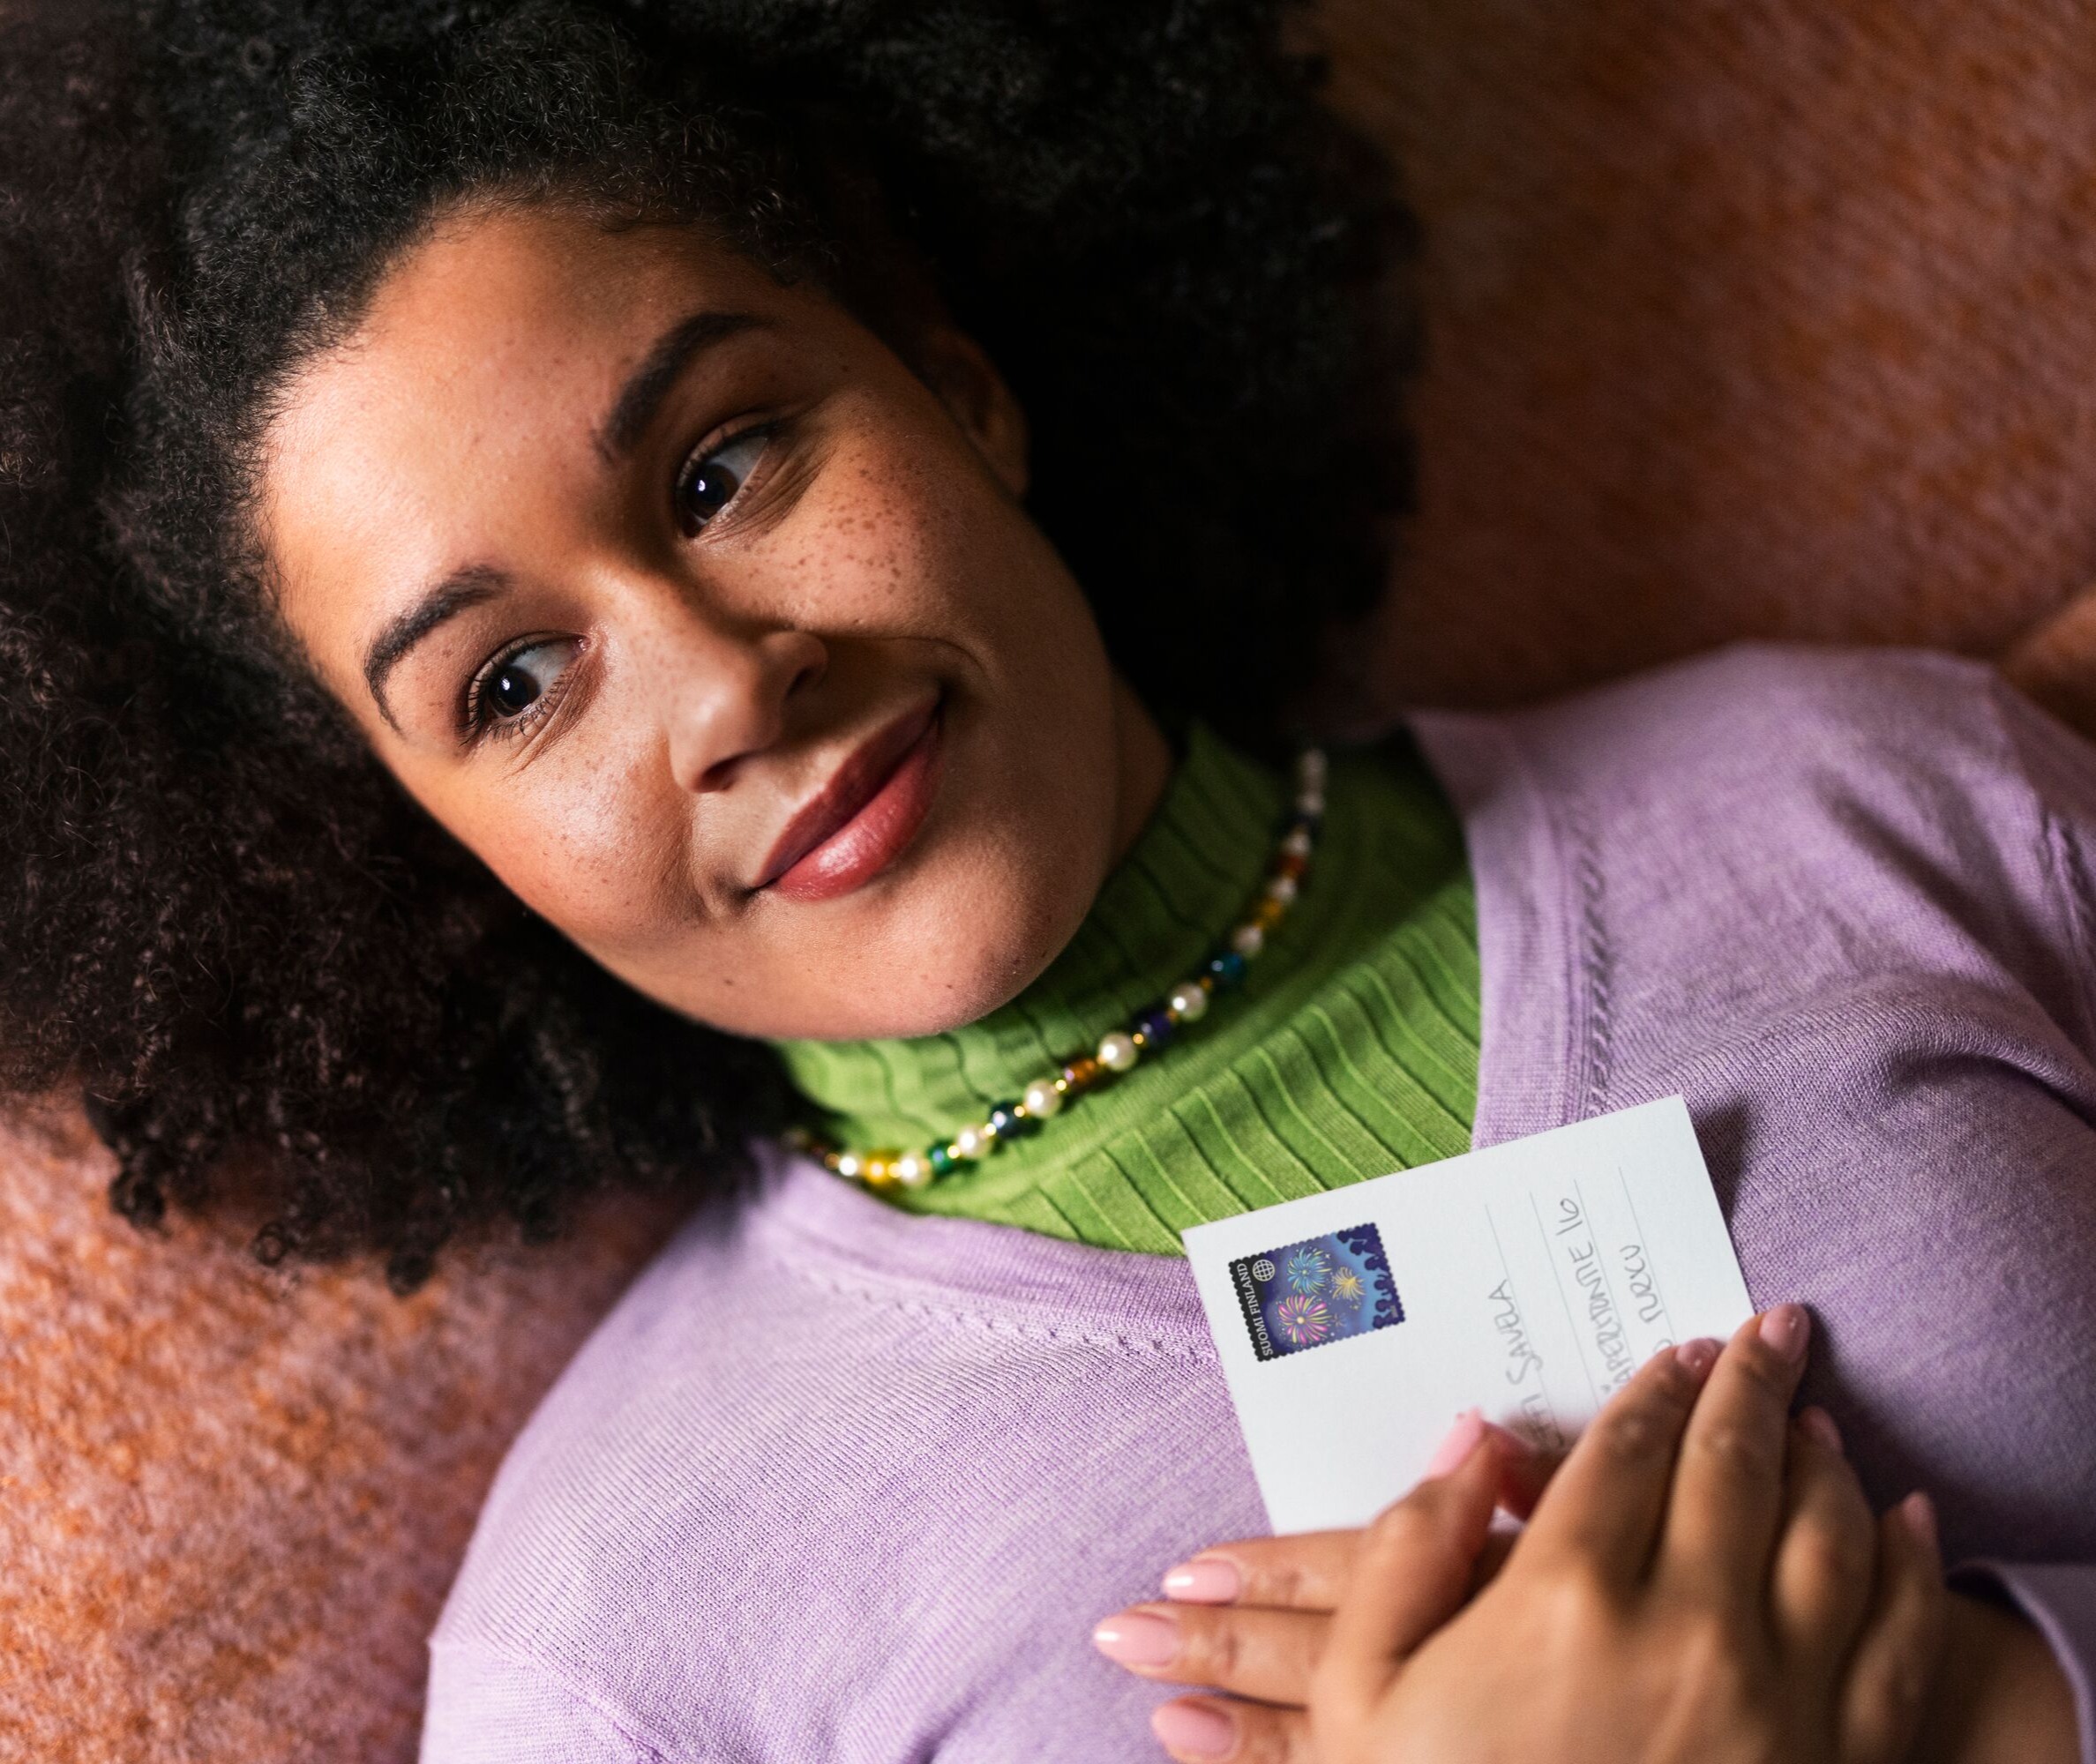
<point x="476" y="725"/>
<point x="712" y="448"/>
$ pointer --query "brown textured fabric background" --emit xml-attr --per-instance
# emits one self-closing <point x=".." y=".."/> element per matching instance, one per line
<point x="1747" y="317"/>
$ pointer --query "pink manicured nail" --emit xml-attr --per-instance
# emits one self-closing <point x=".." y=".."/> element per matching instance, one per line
<point x="1461" y="1440"/>
<point x="1511" y="1442"/>
<point x="1699" y="1355"/>
<point x="1786" y="1329"/>
<point x="1206" y="1579"/>
<point x="1193" y="1730"/>
<point x="1138" y="1638"/>
<point x="1918" y="1513"/>
<point x="1820" y="1424"/>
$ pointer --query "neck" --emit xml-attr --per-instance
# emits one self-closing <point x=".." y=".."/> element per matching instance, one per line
<point x="1143" y="770"/>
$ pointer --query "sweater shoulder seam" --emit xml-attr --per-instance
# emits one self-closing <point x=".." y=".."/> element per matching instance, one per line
<point x="653" y="1749"/>
<point x="966" y="1319"/>
<point x="1577" y="892"/>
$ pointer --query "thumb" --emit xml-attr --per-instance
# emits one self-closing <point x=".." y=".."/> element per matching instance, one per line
<point x="1415" y="1566"/>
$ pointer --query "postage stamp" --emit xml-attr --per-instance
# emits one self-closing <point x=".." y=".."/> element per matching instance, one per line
<point x="1322" y="1289"/>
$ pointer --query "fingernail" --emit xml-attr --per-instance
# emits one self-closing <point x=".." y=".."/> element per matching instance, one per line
<point x="1786" y="1329"/>
<point x="1699" y="1355"/>
<point x="1138" y="1638"/>
<point x="1820" y="1424"/>
<point x="1206" y="1579"/>
<point x="1461" y="1440"/>
<point x="1511" y="1442"/>
<point x="1918" y="1513"/>
<point x="1193" y="1730"/>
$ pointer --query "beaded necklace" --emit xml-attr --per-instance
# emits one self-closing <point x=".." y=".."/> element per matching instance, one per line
<point x="1119" y="1051"/>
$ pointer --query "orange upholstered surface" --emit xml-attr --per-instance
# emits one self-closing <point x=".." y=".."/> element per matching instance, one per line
<point x="231" y="1500"/>
<point x="1748" y="316"/>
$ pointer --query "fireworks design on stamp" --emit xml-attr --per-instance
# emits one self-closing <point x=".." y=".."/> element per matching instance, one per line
<point x="1321" y="1290"/>
<point x="1309" y="1268"/>
<point x="1303" y="1322"/>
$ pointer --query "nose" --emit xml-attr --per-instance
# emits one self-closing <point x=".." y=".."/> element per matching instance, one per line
<point x="725" y="693"/>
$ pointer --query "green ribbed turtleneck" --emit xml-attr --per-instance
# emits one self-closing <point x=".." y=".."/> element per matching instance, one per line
<point x="1352" y="1049"/>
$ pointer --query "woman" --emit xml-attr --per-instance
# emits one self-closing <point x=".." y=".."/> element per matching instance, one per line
<point x="534" y="529"/>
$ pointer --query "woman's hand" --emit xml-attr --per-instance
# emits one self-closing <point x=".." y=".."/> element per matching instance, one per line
<point x="1701" y="1581"/>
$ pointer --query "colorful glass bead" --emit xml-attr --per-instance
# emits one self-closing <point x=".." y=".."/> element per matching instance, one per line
<point x="1080" y="1074"/>
<point x="941" y="1159"/>
<point x="1228" y="969"/>
<point x="1154" y="1028"/>
<point x="1007" y="1123"/>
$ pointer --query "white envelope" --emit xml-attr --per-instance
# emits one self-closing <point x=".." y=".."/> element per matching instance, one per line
<point x="1528" y="1281"/>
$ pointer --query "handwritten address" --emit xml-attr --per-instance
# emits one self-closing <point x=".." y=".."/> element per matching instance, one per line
<point x="1590" y="1274"/>
<point x="1523" y="1370"/>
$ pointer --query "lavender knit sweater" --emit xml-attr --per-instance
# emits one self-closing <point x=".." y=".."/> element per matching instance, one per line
<point x="837" y="1483"/>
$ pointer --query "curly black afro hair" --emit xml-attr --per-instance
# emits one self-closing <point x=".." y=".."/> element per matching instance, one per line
<point x="278" y="983"/>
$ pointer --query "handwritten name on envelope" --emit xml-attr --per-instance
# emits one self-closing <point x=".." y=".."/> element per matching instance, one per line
<point x="1531" y="1280"/>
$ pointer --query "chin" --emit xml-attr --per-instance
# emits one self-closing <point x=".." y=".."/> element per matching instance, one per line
<point x="953" y="961"/>
<point x="957" y="986"/>
<point x="953" y="1002"/>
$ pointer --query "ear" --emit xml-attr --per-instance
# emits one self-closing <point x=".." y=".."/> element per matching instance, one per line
<point x="954" y="365"/>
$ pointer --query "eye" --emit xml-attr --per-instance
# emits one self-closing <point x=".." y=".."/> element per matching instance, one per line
<point x="513" y="687"/>
<point x="709" y="480"/>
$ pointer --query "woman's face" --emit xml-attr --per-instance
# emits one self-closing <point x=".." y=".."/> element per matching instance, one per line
<point x="721" y="636"/>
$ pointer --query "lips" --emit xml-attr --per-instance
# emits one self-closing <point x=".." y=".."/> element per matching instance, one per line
<point x="863" y="819"/>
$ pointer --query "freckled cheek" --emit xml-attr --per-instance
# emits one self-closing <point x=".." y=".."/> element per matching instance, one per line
<point x="898" y="542"/>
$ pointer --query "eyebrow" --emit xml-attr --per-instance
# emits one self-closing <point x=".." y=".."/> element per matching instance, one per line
<point x="461" y="589"/>
<point x="639" y="402"/>
<point x="641" y="397"/>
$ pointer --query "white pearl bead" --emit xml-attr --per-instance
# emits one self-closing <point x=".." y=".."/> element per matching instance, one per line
<point x="1310" y="803"/>
<point x="1248" y="939"/>
<point x="910" y="1170"/>
<point x="1310" y="769"/>
<point x="1188" y="1003"/>
<point x="848" y="1164"/>
<point x="1281" y="888"/>
<point x="1297" y="843"/>
<point x="971" y="1142"/>
<point x="1041" y="1098"/>
<point x="1118" y="1052"/>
